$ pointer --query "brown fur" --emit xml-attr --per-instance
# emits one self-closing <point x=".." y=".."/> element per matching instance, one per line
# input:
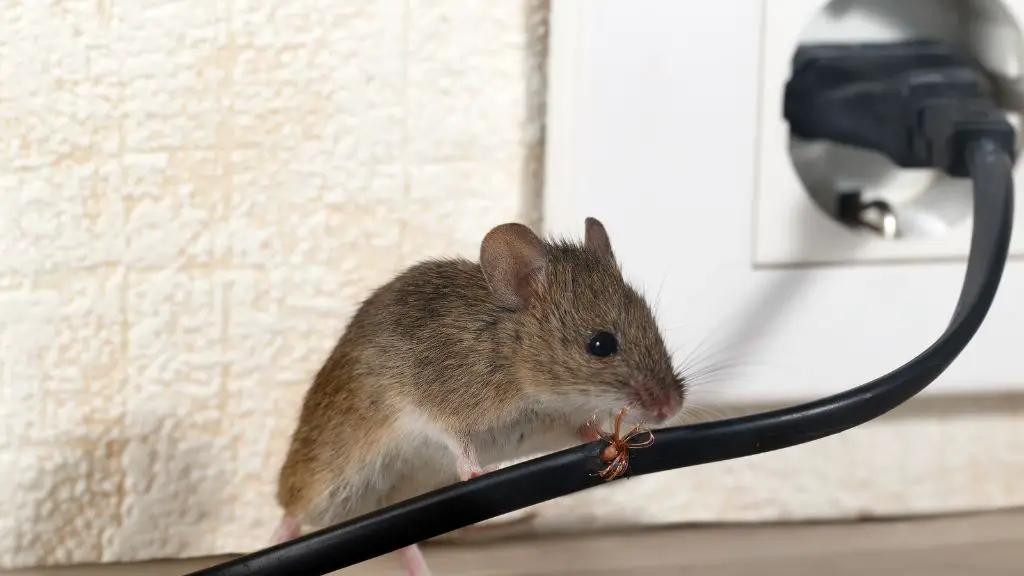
<point x="488" y="355"/>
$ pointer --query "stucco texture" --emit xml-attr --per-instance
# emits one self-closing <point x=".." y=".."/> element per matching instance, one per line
<point x="194" y="196"/>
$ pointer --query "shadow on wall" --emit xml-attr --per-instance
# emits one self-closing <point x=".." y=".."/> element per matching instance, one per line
<point x="173" y="490"/>
<point x="122" y="498"/>
<point x="537" y="31"/>
<point x="931" y="409"/>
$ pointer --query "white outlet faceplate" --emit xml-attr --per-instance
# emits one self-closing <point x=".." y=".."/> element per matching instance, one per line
<point x="655" y="116"/>
<point x="934" y="210"/>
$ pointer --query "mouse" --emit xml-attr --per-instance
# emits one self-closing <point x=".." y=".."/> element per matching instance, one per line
<point x="454" y="366"/>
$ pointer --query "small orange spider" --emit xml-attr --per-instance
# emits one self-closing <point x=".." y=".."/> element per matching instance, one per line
<point x="616" y="454"/>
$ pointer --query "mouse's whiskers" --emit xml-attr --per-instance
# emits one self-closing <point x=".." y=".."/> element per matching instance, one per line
<point x="696" y="413"/>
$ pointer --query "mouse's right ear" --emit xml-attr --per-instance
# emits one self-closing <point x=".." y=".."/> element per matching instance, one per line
<point x="596" y="239"/>
<point x="511" y="255"/>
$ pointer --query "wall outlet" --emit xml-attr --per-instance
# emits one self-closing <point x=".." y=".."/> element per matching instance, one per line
<point x="934" y="211"/>
<point x="665" y="123"/>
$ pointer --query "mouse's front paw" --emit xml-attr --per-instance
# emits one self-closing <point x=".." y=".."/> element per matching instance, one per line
<point x="589" y="431"/>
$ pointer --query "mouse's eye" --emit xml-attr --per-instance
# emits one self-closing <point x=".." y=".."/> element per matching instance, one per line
<point x="603" y="344"/>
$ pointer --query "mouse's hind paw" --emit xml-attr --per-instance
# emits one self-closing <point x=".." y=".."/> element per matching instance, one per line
<point x="287" y="530"/>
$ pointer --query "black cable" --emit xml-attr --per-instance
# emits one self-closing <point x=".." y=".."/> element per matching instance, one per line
<point x="984" y="155"/>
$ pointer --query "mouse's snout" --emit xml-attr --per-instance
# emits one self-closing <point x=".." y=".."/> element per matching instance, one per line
<point x="659" y="403"/>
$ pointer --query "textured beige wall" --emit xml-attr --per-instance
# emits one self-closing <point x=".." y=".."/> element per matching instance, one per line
<point x="194" y="194"/>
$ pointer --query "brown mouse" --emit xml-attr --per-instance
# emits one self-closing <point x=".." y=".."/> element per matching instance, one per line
<point x="453" y="366"/>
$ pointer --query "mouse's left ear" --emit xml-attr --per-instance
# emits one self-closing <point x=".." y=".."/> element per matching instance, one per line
<point x="512" y="258"/>
<point x="596" y="239"/>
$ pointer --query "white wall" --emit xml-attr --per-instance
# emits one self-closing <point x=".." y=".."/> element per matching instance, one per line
<point x="194" y="194"/>
<point x="653" y="126"/>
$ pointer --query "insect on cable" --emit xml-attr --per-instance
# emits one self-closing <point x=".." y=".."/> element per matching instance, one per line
<point x="616" y="453"/>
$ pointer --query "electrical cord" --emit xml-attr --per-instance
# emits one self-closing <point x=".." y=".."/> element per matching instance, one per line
<point x="922" y="104"/>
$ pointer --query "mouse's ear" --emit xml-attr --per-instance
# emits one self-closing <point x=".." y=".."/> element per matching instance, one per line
<point x="511" y="255"/>
<point x="596" y="239"/>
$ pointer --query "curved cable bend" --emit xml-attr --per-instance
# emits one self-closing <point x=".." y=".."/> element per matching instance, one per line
<point x="572" y="470"/>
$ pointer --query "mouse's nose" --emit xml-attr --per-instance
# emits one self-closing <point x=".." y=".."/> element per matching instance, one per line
<point x="669" y="405"/>
<point x="662" y="404"/>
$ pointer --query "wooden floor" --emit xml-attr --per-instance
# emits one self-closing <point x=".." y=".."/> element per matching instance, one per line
<point x="973" y="545"/>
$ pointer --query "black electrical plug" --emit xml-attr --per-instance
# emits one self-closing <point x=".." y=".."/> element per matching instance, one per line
<point x="921" y="103"/>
